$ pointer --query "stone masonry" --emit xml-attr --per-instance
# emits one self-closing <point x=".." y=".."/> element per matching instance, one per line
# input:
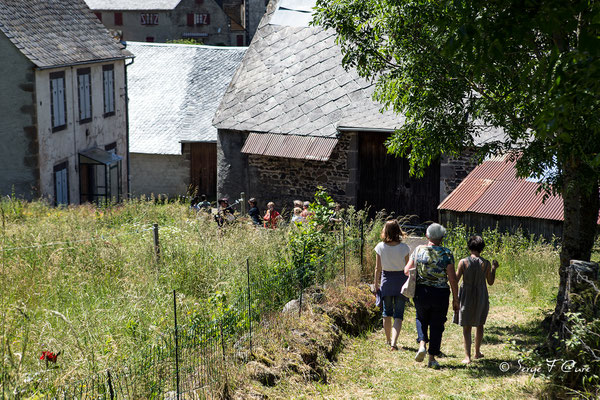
<point x="454" y="170"/>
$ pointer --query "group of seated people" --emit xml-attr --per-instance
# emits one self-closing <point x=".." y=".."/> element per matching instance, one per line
<point x="226" y="213"/>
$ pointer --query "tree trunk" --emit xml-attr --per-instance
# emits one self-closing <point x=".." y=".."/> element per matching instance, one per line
<point x="581" y="202"/>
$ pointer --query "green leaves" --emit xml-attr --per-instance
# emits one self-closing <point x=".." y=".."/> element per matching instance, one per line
<point x="531" y="68"/>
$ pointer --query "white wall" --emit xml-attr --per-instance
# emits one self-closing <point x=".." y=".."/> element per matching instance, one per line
<point x="66" y="144"/>
<point x="159" y="174"/>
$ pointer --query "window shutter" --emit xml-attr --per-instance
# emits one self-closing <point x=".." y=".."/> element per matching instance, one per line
<point x="61" y="120"/>
<point x="105" y="81"/>
<point x="88" y="93"/>
<point x="207" y="19"/>
<point x="61" y="184"/>
<point x="54" y="108"/>
<point x="118" y="18"/>
<point x="82" y="100"/>
<point x="99" y="15"/>
<point x="111" y="78"/>
<point x="190" y="20"/>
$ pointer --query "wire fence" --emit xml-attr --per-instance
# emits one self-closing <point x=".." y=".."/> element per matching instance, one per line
<point x="197" y="357"/>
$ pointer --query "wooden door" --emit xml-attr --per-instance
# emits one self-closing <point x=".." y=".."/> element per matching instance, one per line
<point x="204" y="168"/>
<point x="385" y="182"/>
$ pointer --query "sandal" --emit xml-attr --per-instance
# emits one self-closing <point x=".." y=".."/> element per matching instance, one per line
<point x="394" y="348"/>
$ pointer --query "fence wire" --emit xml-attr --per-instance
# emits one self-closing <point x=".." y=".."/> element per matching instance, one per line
<point x="194" y="358"/>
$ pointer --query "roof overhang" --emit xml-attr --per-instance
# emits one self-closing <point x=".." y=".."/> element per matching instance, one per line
<point x="363" y="129"/>
<point x="98" y="156"/>
<point x="290" y="146"/>
<point x="125" y="57"/>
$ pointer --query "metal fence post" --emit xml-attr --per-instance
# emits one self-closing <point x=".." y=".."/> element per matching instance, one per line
<point x="222" y="338"/>
<point x="302" y="273"/>
<point x="156" y="242"/>
<point x="249" y="305"/>
<point x="111" y="392"/>
<point x="176" y="342"/>
<point x="344" y="248"/>
<point x="362" y="238"/>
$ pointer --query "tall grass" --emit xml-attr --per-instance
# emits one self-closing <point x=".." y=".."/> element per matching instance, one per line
<point x="527" y="262"/>
<point x="84" y="281"/>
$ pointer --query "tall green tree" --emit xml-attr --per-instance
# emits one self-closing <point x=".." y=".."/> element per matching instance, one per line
<point x="528" y="67"/>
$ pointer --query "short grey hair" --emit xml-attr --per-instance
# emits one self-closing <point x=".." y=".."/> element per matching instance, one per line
<point x="436" y="231"/>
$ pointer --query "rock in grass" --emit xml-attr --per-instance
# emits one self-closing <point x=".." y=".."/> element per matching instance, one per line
<point x="262" y="373"/>
<point x="291" y="307"/>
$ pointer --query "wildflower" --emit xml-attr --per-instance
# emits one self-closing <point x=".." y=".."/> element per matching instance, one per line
<point x="49" y="356"/>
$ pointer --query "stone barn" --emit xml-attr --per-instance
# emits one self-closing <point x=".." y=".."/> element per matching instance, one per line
<point x="174" y="90"/>
<point x="293" y="119"/>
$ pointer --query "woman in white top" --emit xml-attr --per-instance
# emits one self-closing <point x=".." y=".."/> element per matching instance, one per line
<point x="392" y="256"/>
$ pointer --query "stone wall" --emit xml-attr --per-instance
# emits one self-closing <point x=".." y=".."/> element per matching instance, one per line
<point x="18" y="132"/>
<point x="283" y="180"/>
<point x="454" y="170"/>
<point x="167" y="175"/>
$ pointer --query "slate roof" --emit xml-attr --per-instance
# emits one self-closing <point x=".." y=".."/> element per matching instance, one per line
<point x="132" y="4"/>
<point x="174" y="90"/>
<point x="54" y="33"/>
<point x="291" y="81"/>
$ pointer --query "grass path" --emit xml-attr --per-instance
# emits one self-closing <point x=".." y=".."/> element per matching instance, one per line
<point x="366" y="369"/>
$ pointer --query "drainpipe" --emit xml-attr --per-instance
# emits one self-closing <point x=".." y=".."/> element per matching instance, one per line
<point x="128" y="193"/>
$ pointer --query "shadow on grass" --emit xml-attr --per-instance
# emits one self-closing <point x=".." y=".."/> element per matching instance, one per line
<point x="528" y="335"/>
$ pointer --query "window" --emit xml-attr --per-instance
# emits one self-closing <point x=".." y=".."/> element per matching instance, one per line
<point x="61" y="184"/>
<point x="108" y="79"/>
<point x="149" y="18"/>
<point x="118" y="19"/>
<point x="202" y="19"/>
<point x="58" y="101"/>
<point x="84" y="87"/>
<point x="198" y="19"/>
<point x="99" y="15"/>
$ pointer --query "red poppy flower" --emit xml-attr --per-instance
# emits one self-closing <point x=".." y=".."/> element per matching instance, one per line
<point x="49" y="356"/>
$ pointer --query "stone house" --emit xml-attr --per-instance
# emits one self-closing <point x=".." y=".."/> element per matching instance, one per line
<point x="293" y="119"/>
<point x="63" y="131"/>
<point x="213" y="22"/>
<point x="174" y="90"/>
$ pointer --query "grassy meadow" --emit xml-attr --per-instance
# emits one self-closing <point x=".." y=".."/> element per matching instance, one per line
<point x="85" y="281"/>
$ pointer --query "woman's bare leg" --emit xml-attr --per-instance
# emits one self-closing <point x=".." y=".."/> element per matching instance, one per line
<point x="467" y="340"/>
<point x="387" y="327"/>
<point x="395" y="331"/>
<point x="478" y="339"/>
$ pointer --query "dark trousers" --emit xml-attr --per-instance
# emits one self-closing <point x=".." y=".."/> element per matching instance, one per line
<point x="432" y="307"/>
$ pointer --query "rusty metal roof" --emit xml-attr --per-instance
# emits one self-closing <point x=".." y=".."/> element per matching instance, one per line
<point x="289" y="146"/>
<point x="493" y="188"/>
